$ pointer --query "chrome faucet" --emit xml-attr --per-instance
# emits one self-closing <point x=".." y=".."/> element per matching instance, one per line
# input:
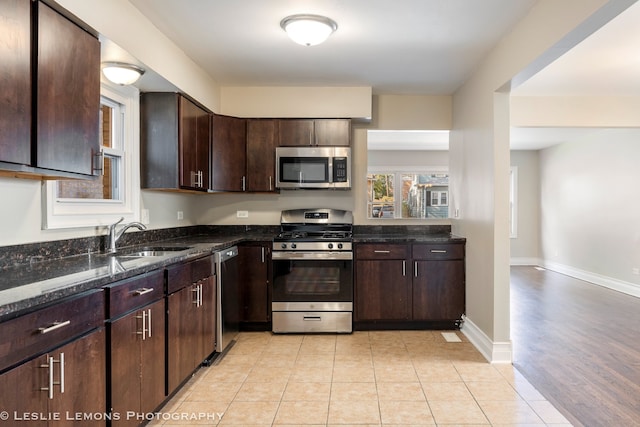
<point x="115" y="236"/>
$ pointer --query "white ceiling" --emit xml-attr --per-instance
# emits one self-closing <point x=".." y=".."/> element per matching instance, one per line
<point x="398" y="47"/>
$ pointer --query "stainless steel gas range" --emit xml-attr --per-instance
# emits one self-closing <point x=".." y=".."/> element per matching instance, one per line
<point x="313" y="272"/>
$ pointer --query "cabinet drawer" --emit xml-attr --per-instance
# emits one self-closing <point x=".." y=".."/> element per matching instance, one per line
<point x="178" y="276"/>
<point x="132" y="293"/>
<point x="381" y="251"/>
<point x="438" y="251"/>
<point x="201" y="268"/>
<point x="35" y="333"/>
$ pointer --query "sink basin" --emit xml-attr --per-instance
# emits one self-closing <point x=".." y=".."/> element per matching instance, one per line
<point x="154" y="251"/>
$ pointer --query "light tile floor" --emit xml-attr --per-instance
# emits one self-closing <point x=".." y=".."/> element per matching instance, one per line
<point x="378" y="378"/>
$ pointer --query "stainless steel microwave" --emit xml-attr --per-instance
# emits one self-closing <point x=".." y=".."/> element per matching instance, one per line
<point x="313" y="168"/>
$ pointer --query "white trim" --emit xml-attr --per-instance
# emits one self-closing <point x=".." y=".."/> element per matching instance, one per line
<point x="525" y="261"/>
<point x="494" y="352"/>
<point x="628" y="288"/>
<point x="57" y="215"/>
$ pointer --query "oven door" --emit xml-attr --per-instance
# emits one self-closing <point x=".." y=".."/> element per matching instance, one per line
<point x="312" y="277"/>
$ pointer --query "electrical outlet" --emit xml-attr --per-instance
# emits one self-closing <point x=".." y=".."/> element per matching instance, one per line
<point x="180" y="215"/>
<point x="144" y="216"/>
<point x="242" y="214"/>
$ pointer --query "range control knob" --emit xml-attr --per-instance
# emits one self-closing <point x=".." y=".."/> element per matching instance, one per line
<point x="293" y="246"/>
<point x="339" y="245"/>
<point x="330" y="245"/>
<point x="283" y="246"/>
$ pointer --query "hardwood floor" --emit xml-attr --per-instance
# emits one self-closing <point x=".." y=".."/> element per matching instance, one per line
<point x="579" y="345"/>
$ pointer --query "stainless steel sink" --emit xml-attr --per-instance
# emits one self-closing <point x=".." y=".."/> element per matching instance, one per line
<point x="155" y="251"/>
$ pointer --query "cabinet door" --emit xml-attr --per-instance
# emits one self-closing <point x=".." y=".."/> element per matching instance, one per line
<point x="208" y="316"/>
<point x="203" y="124"/>
<point x="228" y="154"/>
<point x="183" y="339"/>
<point x="188" y="143"/>
<point x="262" y="140"/>
<point x="84" y="380"/>
<point x="125" y="366"/>
<point x="152" y="371"/>
<point x="254" y="282"/>
<point x="438" y="290"/>
<point x="296" y="132"/>
<point x="382" y="290"/>
<point x="21" y="392"/>
<point x="68" y="94"/>
<point x="332" y="132"/>
<point x="15" y="74"/>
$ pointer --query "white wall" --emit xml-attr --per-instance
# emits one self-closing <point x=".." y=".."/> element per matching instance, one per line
<point x="525" y="248"/>
<point x="590" y="208"/>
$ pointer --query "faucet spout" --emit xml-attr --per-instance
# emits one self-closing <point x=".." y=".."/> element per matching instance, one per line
<point x="114" y="235"/>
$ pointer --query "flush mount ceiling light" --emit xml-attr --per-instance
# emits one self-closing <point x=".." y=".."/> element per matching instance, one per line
<point x="121" y="73"/>
<point x="308" y="30"/>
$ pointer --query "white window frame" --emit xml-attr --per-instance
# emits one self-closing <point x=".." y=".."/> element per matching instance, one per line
<point x="75" y="213"/>
<point x="513" y="202"/>
<point x="397" y="171"/>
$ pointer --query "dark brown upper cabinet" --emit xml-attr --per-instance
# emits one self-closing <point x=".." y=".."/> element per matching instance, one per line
<point x="175" y="135"/>
<point x="228" y="153"/>
<point x="314" y="132"/>
<point x="50" y="93"/>
<point x="262" y="140"/>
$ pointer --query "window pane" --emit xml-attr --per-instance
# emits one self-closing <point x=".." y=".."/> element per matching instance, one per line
<point x="380" y="195"/>
<point x="425" y="195"/>
<point x="106" y="126"/>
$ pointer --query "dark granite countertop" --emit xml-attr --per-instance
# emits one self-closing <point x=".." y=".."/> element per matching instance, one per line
<point x="24" y="287"/>
<point x="407" y="238"/>
<point x="32" y="275"/>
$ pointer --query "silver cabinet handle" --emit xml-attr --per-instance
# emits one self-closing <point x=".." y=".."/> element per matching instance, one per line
<point x="61" y="372"/>
<point x="270" y="185"/>
<point x="142" y="291"/>
<point x="244" y="183"/>
<point x="415" y="268"/>
<point x="49" y="365"/>
<point x="438" y="251"/>
<point x="143" y="331"/>
<point x="263" y="254"/>
<point x="149" y="323"/>
<point x="196" y="289"/>
<point x="381" y="252"/>
<point x="404" y="268"/>
<point x="54" y="326"/>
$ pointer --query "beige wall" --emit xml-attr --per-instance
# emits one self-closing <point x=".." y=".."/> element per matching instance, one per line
<point x="479" y="153"/>
<point x="525" y="247"/>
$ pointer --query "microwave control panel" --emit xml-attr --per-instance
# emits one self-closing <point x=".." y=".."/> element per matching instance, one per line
<point x="339" y="169"/>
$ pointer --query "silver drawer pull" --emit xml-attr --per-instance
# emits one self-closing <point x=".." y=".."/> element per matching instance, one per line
<point x="143" y="291"/>
<point x="381" y="252"/>
<point x="312" y="318"/>
<point x="438" y="251"/>
<point x="56" y="325"/>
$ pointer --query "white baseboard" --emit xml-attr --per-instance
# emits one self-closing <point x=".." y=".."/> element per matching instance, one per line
<point x="494" y="352"/>
<point x="597" y="279"/>
<point x="525" y="261"/>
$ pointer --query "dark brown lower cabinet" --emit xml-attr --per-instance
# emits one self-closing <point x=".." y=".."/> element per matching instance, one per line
<point x="254" y="284"/>
<point x="191" y="319"/>
<point x="65" y="384"/>
<point x="382" y="291"/>
<point x="409" y="285"/>
<point x="137" y="363"/>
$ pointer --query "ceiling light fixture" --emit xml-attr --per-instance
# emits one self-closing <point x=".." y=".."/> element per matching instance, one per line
<point x="308" y="30"/>
<point x="122" y="73"/>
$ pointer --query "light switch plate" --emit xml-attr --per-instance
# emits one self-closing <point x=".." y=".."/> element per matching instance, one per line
<point x="242" y="214"/>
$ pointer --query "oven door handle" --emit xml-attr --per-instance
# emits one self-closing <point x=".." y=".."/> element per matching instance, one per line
<point x="320" y="256"/>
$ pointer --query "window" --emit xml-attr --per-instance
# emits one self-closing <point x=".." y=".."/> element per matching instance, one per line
<point x="408" y="195"/>
<point x="115" y="194"/>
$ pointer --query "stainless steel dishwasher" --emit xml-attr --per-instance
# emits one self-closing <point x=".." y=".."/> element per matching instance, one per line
<point x="228" y="297"/>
